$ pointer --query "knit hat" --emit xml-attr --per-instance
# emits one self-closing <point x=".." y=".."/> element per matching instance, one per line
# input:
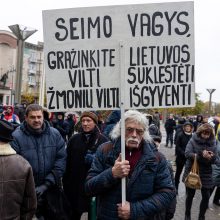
<point x="6" y="129"/>
<point x="91" y="115"/>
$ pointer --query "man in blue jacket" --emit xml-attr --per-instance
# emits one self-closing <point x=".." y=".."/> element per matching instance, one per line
<point x="149" y="188"/>
<point x="43" y="147"/>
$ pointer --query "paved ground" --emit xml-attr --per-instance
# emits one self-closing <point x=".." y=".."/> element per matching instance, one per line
<point x="213" y="213"/>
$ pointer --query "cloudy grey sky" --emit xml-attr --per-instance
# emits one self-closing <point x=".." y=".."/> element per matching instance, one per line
<point x="207" y="31"/>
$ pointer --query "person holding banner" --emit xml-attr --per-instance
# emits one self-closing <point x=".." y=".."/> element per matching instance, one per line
<point x="150" y="190"/>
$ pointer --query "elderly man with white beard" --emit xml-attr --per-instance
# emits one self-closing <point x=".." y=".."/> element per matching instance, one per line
<point x="149" y="188"/>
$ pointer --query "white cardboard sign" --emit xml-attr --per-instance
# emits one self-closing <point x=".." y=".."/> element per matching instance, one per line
<point x="82" y="56"/>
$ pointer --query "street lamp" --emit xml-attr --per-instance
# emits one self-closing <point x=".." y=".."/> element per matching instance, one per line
<point x="210" y="99"/>
<point x="22" y="33"/>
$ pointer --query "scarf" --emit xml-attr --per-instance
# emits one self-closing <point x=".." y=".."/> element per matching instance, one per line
<point x="133" y="156"/>
<point x="35" y="131"/>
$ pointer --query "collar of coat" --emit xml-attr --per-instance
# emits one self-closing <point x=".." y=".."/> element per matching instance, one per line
<point x="208" y="142"/>
<point x="6" y="149"/>
<point x="24" y="128"/>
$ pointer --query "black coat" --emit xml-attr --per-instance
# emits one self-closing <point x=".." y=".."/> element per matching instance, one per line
<point x="170" y="125"/>
<point x="182" y="140"/>
<point x="62" y="126"/>
<point x="76" y="168"/>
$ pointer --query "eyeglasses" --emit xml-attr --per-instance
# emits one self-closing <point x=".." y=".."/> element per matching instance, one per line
<point x="131" y="131"/>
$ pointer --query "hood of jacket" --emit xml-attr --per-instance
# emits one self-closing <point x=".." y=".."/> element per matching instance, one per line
<point x="114" y="117"/>
<point x="5" y="109"/>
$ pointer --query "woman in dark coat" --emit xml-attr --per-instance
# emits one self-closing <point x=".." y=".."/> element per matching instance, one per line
<point x="80" y="152"/>
<point x="182" y="139"/>
<point x="203" y="145"/>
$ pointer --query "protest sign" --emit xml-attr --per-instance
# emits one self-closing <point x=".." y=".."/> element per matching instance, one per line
<point x="82" y="56"/>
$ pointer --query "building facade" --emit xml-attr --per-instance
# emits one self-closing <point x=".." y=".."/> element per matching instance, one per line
<point x="33" y="70"/>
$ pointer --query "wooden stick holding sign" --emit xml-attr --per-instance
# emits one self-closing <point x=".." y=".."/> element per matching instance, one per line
<point x="122" y="90"/>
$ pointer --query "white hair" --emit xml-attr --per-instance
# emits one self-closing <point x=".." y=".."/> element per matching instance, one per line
<point x="132" y="116"/>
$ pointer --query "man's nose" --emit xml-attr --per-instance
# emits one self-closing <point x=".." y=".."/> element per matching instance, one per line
<point x="134" y="133"/>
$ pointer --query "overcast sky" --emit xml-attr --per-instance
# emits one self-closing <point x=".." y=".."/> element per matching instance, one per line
<point x="207" y="31"/>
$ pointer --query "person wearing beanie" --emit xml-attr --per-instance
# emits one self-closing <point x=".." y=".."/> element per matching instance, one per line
<point x="81" y="149"/>
<point x="182" y="139"/>
<point x="17" y="191"/>
<point x="90" y="114"/>
<point x="203" y="145"/>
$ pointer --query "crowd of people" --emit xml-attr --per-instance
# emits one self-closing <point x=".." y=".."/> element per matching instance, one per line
<point x="86" y="154"/>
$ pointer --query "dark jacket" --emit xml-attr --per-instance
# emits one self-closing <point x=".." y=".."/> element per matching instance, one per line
<point x="62" y="126"/>
<point x="44" y="151"/>
<point x="149" y="189"/>
<point x="77" y="167"/>
<point x="195" y="146"/>
<point x="170" y="125"/>
<point x="178" y="129"/>
<point x="154" y="131"/>
<point x="170" y="211"/>
<point x="111" y="121"/>
<point x="17" y="191"/>
<point x="71" y="124"/>
<point x="198" y="122"/>
<point x="216" y="169"/>
<point x="182" y="140"/>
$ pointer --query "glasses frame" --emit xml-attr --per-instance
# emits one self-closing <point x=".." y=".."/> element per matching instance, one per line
<point x="130" y="130"/>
